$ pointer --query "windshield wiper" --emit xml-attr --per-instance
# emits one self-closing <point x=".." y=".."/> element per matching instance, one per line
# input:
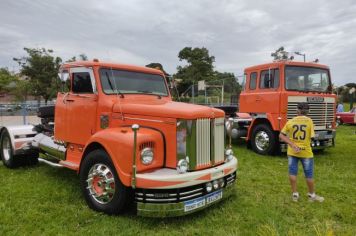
<point x="112" y="87"/>
<point x="149" y="92"/>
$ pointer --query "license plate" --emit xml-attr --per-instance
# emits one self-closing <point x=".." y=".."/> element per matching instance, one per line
<point x="202" y="201"/>
<point x="213" y="197"/>
<point x="328" y="136"/>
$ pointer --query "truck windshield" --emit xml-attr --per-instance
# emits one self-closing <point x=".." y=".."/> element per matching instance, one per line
<point x="126" y="82"/>
<point x="307" y="79"/>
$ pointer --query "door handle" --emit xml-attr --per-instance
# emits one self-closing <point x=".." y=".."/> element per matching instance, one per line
<point x="258" y="99"/>
<point x="69" y="100"/>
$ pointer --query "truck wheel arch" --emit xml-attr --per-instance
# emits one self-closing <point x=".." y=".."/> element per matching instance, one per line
<point x="256" y="122"/>
<point x="97" y="145"/>
<point x="118" y="143"/>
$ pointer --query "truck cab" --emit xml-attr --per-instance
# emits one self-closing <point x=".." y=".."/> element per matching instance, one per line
<point x="118" y="127"/>
<point x="270" y="97"/>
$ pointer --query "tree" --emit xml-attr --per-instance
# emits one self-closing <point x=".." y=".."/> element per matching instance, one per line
<point x="199" y="67"/>
<point x="82" y="57"/>
<point x="280" y="54"/>
<point x="6" y="78"/>
<point x="22" y="90"/>
<point x="41" y="67"/>
<point x="158" y="66"/>
<point x="230" y="83"/>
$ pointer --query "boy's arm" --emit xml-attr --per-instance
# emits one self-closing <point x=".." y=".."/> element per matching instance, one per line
<point x="285" y="139"/>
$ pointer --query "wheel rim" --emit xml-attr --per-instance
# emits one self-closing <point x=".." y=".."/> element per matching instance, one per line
<point x="101" y="183"/>
<point x="6" y="148"/>
<point x="262" y="141"/>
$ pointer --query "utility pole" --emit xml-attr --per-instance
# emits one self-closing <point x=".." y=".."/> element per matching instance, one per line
<point x="300" y="54"/>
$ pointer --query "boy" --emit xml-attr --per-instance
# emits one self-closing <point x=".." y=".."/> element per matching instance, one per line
<point x="297" y="133"/>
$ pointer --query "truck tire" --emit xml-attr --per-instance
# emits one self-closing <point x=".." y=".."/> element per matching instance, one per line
<point x="101" y="186"/>
<point x="6" y="151"/>
<point x="263" y="140"/>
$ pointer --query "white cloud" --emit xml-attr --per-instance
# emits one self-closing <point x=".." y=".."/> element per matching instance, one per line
<point x="237" y="33"/>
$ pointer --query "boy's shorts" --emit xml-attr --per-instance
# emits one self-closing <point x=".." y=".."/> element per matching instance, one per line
<point x="308" y="166"/>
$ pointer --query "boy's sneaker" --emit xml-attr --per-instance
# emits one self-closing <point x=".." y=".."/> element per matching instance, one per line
<point x="313" y="197"/>
<point x="295" y="197"/>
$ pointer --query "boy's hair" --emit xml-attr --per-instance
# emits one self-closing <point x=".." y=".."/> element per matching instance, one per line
<point x="303" y="108"/>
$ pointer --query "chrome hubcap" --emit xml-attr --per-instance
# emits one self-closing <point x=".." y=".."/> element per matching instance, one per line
<point x="6" y="148"/>
<point x="101" y="183"/>
<point x="262" y="140"/>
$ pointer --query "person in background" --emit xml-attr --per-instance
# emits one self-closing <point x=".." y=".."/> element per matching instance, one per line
<point x="340" y="107"/>
<point x="298" y="133"/>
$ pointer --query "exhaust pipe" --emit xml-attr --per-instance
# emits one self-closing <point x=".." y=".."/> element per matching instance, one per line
<point x="57" y="165"/>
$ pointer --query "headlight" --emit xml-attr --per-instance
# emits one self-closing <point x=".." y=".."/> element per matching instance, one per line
<point x="182" y="166"/>
<point x="209" y="187"/>
<point x="147" y="156"/>
<point x="215" y="184"/>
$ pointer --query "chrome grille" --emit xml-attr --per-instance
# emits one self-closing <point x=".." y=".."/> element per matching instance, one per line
<point x="219" y="140"/>
<point x="322" y="114"/>
<point x="203" y="142"/>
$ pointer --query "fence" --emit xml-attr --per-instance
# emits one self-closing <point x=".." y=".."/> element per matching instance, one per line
<point x="213" y="93"/>
<point x="20" y="113"/>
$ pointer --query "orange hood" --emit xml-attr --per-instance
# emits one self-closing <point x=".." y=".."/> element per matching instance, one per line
<point x="164" y="108"/>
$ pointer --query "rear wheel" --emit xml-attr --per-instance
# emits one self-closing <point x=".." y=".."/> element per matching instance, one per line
<point x="264" y="140"/>
<point x="101" y="186"/>
<point x="7" y="153"/>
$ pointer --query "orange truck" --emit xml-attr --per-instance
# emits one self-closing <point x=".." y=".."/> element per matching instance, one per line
<point x="119" y="129"/>
<point x="270" y="97"/>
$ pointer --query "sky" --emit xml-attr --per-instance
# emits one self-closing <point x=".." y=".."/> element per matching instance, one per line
<point x="238" y="33"/>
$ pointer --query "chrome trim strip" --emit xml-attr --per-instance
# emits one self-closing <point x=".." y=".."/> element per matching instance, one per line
<point x="192" y="191"/>
<point x="193" y="195"/>
<point x="160" y="200"/>
<point x="142" y="119"/>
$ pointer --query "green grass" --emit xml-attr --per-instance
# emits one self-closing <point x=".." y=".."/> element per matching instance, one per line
<point x="42" y="200"/>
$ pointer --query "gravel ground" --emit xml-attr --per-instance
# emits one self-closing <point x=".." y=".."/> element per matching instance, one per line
<point x="18" y="120"/>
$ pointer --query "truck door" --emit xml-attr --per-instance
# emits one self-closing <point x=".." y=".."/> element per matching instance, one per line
<point x="81" y="105"/>
<point x="269" y="91"/>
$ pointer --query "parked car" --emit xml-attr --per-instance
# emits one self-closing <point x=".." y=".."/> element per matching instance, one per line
<point x="346" y="117"/>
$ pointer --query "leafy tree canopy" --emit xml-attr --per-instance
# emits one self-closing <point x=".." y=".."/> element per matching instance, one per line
<point x="81" y="57"/>
<point x="6" y="77"/>
<point x="199" y="67"/>
<point x="41" y="67"/>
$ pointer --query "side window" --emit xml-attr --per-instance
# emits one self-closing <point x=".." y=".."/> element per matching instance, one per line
<point x="81" y="83"/>
<point x="253" y="80"/>
<point x="269" y="79"/>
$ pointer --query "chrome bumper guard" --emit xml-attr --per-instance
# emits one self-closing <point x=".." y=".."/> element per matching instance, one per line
<point x="171" y="202"/>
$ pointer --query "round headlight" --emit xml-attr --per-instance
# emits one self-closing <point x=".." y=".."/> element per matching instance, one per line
<point x="209" y="187"/>
<point x="215" y="184"/>
<point x="147" y="156"/>
<point x="182" y="166"/>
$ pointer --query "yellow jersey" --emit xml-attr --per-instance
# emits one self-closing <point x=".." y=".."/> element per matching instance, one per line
<point x="300" y="130"/>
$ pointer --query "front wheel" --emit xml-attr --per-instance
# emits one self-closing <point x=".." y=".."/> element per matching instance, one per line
<point x="101" y="186"/>
<point x="263" y="140"/>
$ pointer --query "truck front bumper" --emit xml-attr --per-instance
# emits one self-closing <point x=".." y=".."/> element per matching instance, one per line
<point x="181" y="194"/>
<point x="323" y="139"/>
